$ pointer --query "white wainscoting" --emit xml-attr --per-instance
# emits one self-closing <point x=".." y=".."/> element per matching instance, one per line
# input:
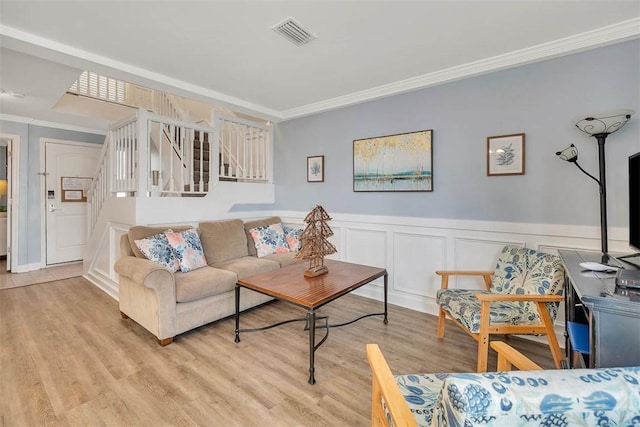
<point x="412" y="249"/>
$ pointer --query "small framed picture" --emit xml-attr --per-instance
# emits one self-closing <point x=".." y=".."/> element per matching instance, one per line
<point x="505" y="155"/>
<point x="315" y="169"/>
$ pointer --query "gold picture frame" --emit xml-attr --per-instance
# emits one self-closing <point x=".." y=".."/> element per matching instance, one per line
<point x="399" y="163"/>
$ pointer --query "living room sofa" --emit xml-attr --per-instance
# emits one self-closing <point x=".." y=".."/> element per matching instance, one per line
<point x="529" y="397"/>
<point x="168" y="303"/>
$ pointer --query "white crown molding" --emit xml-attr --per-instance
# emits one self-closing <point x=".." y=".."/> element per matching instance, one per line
<point x="616" y="33"/>
<point x="622" y="31"/>
<point x="55" y="125"/>
<point x="61" y="48"/>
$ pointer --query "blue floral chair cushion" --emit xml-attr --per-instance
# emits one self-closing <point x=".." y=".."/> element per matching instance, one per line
<point x="421" y="393"/>
<point x="465" y="308"/>
<point x="578" y="397"/>
<point x="526" y="271"/>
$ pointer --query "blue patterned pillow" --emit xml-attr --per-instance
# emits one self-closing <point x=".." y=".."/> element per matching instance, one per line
<point x="156" y="248"/>
<point x="269" y="239"/>
<point x="292" y="235"/>
<point x="188" y="249"/>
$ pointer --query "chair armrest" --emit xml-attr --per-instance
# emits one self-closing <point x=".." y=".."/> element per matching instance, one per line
<point x="464" y="273"/>
<point x="444" y="284"/>
<point x="384" y="387"/>
<point x="509" y="356"/>
<point x="519" y="297"/>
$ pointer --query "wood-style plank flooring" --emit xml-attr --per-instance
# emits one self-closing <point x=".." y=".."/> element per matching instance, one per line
<point x="67" y="358"/>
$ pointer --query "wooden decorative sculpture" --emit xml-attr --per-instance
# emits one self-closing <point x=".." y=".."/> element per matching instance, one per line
<point x="314" y="242"/>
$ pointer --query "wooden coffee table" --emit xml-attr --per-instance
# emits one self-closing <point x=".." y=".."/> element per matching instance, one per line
<point x="290" y="284"/>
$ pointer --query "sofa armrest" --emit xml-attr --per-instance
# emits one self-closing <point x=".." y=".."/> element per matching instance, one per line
<point x="147" y="273"/>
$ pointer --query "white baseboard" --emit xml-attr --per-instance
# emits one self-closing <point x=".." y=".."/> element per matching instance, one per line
<point x="25" y="268"/>
<point x="103" y="283"/>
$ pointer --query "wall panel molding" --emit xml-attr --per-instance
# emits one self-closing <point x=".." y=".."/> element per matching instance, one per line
<point x="398" y="244"/>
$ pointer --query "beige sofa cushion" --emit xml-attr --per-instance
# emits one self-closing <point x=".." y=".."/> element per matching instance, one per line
<point x="248" y="266"/>
<point x="284" y="259"/>
<point x="248" y="225"/>
<point x="202" y="283"/>
<point x="138" y="232"/>
<point x="223" y="240"/>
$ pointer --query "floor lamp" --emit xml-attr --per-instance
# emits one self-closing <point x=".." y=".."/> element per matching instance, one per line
<point x="599" y="127"/>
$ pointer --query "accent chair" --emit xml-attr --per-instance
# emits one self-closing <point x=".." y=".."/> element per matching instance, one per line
<point x="522" y="297"/>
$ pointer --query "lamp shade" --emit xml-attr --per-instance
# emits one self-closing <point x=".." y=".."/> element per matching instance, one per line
<point x="569" y="154"/>
<point x="3" y="187"/>
<point x="603" y="124"/>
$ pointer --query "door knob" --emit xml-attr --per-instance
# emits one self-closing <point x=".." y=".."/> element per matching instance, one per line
<point x="51" y="208"/>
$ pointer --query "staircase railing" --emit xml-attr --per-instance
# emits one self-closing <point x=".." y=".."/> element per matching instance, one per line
<point x="148" y="155"/>
<point x="164" y="105"/>
<point x="181" y="165"/>
<point x="245" y="149"/>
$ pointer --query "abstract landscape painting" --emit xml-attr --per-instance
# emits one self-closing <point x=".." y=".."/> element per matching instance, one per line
<point x="394" y="162"/>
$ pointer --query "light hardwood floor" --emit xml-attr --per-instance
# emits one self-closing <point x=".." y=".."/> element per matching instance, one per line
<point x="67" y="358"/>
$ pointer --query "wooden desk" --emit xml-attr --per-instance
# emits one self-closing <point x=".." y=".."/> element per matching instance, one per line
<point x="612" y="313"/>
<point x="291" y="285"/>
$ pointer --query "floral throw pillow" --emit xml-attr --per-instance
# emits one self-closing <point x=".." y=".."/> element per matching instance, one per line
<point x="292" y="235"/>
<point x="156" y="248"/>
<point x="188" y="249"/>
<point x="269" y="239"/>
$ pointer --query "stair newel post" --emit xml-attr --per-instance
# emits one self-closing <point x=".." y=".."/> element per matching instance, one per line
<point x="201" y="159"/>
<point x="245" y="164"/>
<point x="111" y="173"/>
<point x="143" y="149"/>
<point x="180" y="132"/>
<point x="190" y="149"/>
<point x="216" y="163"/>
<point x="269" y="147"/>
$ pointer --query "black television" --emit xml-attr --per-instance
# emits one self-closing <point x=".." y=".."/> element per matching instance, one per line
<point x="634" y="206"/>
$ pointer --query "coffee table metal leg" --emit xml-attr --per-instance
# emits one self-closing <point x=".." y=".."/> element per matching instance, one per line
<point x="237" y="313"/>
<point x="311" y="319"/>
<point x="385" y="298"/>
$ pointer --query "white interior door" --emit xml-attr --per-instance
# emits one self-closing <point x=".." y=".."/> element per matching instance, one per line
<point x="69" y="168"/>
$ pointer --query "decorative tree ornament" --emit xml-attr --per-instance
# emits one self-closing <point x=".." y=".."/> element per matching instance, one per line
<point x="314" y="242"/>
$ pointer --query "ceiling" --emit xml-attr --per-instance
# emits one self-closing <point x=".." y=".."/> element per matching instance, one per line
<point x="225" y="53"/>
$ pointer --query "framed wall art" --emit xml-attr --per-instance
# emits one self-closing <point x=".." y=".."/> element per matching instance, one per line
<point x="315" y="169"/>
<point x="505" y="155"/>
<point x="402" y="162"/>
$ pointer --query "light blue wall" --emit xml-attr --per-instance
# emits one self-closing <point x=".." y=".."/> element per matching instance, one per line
<point x="539" y="99"/>
<point x="29" y="185"/>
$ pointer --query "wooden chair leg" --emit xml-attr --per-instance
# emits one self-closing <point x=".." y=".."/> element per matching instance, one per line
<point x="551" y="334"/>
<point x="483" y="337"/>
<point x="441" y="321"/>
<point x="483" y="352"/>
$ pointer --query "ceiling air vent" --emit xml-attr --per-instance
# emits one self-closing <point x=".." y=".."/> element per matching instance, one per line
<point x="293" y="31"/>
